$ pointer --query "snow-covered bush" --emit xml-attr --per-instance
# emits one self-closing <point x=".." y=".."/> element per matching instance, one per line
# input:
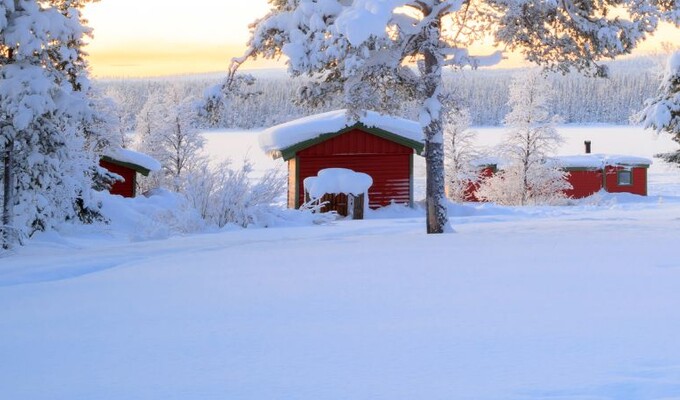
<point x="540" y="185"/>
<point x="227" y="195"/>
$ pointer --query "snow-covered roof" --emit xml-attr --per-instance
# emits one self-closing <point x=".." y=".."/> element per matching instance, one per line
<point x="337" y="180"/>
<point x="600" y="160"/>
<point x="127" y="156"/>
<point x="280" y="137"/>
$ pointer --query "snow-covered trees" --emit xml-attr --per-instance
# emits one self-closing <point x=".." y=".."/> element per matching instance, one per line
<point x="532" y="136"/>
<point x="459" y="153"/>
<point x="662" y="112"/>
<point x="44" y="114"/>
<point x="167" y="131"/>
<point x="342" y="42"/>
<point x="217" y="108"/>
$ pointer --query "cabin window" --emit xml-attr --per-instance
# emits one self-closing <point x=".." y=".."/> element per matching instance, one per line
<point x="624" y="178"/>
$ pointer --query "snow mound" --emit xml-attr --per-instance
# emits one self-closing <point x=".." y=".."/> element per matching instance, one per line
<point x="283" y="136"/>
<point x="134" y="157"/>
<point x="337" y="180"/>
<point x="160" y="215"/>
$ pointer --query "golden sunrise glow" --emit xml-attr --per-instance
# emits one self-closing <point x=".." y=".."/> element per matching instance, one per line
<point x="158" y="37"/>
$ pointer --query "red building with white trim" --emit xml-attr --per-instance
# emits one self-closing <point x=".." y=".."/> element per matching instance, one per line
<point x="380" y="146"/>
<point x="127" y="164"/>
<point x="591" y="173"/>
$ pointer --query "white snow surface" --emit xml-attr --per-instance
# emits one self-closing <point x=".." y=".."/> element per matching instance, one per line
<point x="337" y="180"/>
<point x="280" y="137"/>
<point x="577" y="302"/>
<point x="135" y="157"/>
<point x="600" y="160"/>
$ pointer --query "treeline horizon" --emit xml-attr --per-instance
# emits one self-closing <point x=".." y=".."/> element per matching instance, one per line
<point x="578" y="99"/>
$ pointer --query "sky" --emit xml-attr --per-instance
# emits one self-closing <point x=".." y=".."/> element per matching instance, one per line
<point x="162" y="37"/>
<point x="166" y="37"/>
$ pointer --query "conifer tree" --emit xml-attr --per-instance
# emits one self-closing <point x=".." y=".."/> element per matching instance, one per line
<point x="47" y="170"/>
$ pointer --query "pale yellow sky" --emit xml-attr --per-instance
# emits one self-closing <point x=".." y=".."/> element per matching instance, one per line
<point x="168" y="37"/>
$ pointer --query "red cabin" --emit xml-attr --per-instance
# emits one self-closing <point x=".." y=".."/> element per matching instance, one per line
<point x="591" y="173"/>
<point x="485" y="170"/>
<point x="126" y="164"/>
<point x="377" y="145"/>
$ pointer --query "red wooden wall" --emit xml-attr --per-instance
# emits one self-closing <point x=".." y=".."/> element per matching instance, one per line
<point x="387" y="162"/>
<point x="127" y="188"/>
<point x="639" y="180"/>
<point x="472" y="186"/>
<point x="584" y="183"/>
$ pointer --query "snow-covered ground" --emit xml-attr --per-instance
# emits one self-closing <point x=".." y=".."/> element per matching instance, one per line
<point x="577" y="302"/>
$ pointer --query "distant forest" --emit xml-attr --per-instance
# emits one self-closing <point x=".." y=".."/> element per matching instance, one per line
<point x="578" y="99"/>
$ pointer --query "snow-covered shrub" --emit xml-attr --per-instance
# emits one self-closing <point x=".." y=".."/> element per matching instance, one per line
<point x="227" y="195"/>
<point x="544" y="185"/>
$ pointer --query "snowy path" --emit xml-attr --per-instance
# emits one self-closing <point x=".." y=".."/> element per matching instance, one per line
<point x="576" y="304"/>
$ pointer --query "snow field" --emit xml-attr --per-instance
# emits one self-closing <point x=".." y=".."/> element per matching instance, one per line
<point x="507" y="308"/>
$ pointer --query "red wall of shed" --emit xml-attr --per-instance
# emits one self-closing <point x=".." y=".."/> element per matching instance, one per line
<point x="584" y="183"/>
<point x="387" y="162"/>
<point x="127" y="188"/>
<point x="472" y="186"/>
<point x="639" y="176"/>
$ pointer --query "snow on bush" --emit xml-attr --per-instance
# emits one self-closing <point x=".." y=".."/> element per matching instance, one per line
<point x="227" y="195"/>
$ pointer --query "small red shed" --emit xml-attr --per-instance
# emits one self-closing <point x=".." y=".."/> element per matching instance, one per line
<point x="126" y="164"/>
<point x="378" y="145"/>
<point x="591" y="173"/>
<point x="486" y="168"/>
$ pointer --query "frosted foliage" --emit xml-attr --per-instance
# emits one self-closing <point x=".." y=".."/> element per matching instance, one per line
<point x="459" y="153"/>
<point x="167" y="132"/>
<point x="546" y="185"/>
<point x="662" y="112"/>
<point x="227" y="195"/>
<point x="51" y="131"/>
<point x="531" y="137"/>
<point x="222" y="104"/>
